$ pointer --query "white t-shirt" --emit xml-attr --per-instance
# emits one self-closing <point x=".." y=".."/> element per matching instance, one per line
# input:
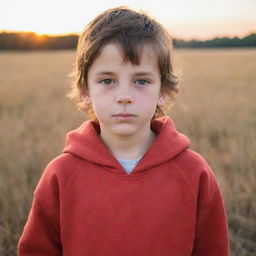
<point x="128" y="164"/>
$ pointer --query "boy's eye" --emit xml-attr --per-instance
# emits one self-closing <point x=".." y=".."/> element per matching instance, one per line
<point x="141" y="82"/>
<point x="106" y="81"/>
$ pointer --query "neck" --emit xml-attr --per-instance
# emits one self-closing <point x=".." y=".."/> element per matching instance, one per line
<point x="128" y="147"/>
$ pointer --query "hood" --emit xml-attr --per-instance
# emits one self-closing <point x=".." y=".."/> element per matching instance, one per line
<point x="85" y="142"/>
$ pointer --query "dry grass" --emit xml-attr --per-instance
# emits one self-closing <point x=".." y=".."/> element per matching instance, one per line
<point x="216" y="109"/>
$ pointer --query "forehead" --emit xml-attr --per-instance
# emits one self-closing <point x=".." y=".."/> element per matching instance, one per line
<point x="112" y="56"/>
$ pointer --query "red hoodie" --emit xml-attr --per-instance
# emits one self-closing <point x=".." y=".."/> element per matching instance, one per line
<point x="87" y="205"/>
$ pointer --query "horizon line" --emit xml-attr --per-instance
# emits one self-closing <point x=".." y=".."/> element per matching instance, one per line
<point x="173" y="35"/>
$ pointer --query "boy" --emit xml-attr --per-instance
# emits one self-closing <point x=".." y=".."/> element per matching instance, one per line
<point x="127" y="182"/>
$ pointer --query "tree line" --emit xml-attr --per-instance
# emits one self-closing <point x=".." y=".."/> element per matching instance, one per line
<point x="32" y="41"/>
<point x="247" y="41"/>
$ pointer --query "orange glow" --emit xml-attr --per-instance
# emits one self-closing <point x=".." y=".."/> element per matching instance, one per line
<point x="187" y="19"/>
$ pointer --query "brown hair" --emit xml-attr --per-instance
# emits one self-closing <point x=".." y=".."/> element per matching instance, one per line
<point x="131" y="30"/>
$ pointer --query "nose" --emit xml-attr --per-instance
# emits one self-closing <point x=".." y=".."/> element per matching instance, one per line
<point x="124" y="99"/>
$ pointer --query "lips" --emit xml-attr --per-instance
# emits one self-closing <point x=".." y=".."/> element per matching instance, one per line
<point x="123" y="115"/>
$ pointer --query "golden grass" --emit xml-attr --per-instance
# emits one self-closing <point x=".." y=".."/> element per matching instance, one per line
<point x="216" y="109"/>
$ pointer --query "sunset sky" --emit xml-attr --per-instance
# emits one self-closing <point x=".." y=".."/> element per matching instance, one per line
<point x="185" y="19"/>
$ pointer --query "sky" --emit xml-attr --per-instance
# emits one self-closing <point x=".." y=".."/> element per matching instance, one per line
<point x="185" y="19"/>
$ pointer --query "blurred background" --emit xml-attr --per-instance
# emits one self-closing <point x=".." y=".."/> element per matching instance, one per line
<point x="214" y="48"/>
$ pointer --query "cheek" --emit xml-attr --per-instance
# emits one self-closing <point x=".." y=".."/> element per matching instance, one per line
<point x="100" y="106"/>
<point x="148" y="104"/>
<point x="150" y="96"/>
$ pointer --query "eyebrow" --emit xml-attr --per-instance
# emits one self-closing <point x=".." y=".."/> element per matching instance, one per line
<point x="142" y="73"/>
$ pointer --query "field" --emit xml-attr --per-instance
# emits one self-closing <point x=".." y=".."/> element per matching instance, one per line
<point x="216" y="109"/>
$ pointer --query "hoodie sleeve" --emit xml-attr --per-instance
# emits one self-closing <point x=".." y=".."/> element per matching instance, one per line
<point x="41" y="234"/>
<point x="211" y="237"/>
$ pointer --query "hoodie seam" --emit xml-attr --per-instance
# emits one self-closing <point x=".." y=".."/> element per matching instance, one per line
<point x="72" y="177"/>
<point x="186" y="180"/>
<point x="48" y="215"/>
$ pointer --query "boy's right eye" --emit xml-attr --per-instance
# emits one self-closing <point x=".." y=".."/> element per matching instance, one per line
<point x="106" y="81"/>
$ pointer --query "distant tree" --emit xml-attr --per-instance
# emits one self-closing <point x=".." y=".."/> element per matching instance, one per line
<point x="31" y="41"/>
<point x="248" y="41"/>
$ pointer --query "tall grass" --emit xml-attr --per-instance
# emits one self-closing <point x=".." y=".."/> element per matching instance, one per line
<point x="216" y="109"/>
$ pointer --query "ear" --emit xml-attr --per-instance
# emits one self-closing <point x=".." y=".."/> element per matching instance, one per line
<point x="86" y="97"/>
<point x="161" y="100"/>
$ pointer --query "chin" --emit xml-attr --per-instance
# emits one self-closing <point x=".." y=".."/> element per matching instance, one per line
<point x="124" y="131"/>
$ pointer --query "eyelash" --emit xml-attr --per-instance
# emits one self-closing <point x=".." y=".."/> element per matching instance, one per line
<point x="146" y="82"/>
<point x="102" y="81"/>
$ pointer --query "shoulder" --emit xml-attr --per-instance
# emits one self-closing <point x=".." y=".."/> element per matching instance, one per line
<point x="57" y="174"/>
<point x="197" y="172"/>
<point x="192" y="159"/>
<point x="193" y="163"/>
<point x="61" y="163"/>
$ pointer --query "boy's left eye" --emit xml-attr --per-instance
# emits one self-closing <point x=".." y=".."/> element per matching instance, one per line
<point x="141" y="82"/>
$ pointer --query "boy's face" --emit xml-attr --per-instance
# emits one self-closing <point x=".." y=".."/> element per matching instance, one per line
<point x="123" y="96"/>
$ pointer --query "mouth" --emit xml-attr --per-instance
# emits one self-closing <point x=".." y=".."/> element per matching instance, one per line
<point x="123" y="116"/>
